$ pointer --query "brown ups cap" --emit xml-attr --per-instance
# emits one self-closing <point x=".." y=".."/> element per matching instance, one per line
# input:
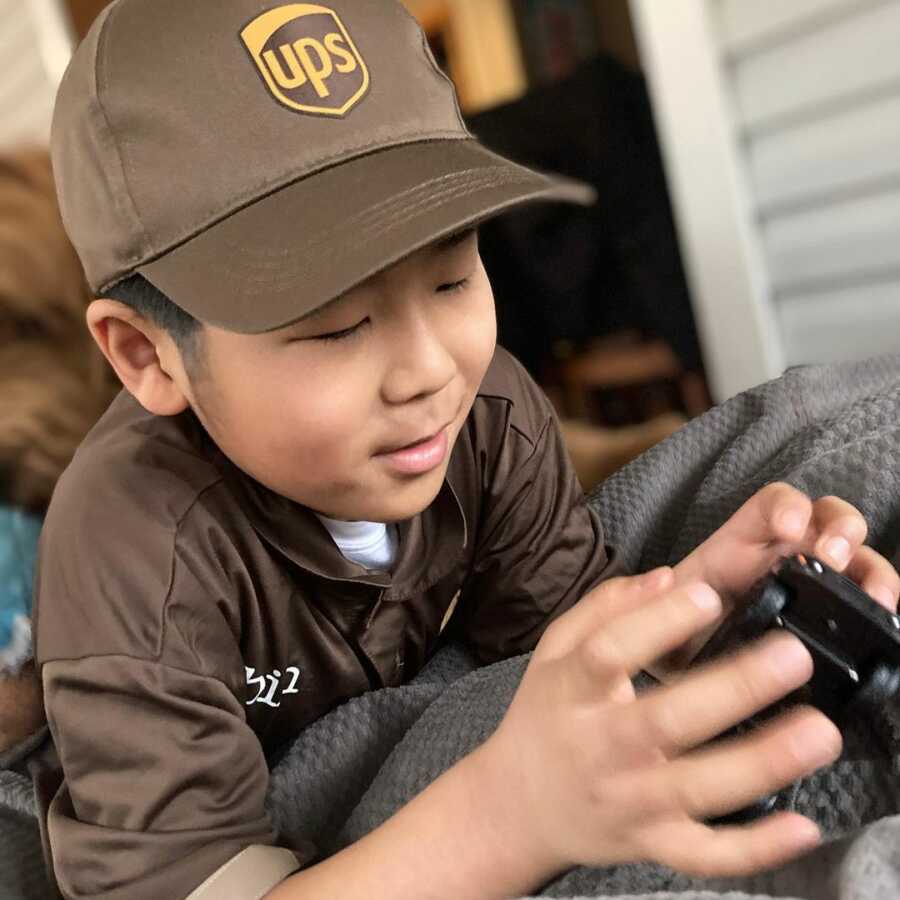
<point x="254" y="161"/>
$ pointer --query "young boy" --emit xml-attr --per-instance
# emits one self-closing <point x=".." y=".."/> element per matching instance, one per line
<point x="320" y="459"/>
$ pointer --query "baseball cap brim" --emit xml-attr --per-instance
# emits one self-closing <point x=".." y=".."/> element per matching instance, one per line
<point x="271" y="262"/>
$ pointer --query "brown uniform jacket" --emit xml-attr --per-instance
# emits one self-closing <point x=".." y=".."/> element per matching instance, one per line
<point x="190" y="622"/>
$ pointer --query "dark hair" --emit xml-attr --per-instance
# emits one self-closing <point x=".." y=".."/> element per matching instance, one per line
<point x="146" y="299"/>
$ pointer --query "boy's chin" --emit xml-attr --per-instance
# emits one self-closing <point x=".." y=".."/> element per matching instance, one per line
<point x="392" y="500"/>
<point x="408" y="499"/>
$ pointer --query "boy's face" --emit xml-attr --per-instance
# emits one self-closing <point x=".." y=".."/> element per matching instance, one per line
<point x="353" y="410"/>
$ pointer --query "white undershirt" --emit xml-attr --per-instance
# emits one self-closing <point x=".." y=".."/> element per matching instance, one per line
<point x="371" y="544"/>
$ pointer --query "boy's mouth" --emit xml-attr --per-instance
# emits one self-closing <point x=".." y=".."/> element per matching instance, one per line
<point x="415" y="443"/>
<point x="419" y="457"/>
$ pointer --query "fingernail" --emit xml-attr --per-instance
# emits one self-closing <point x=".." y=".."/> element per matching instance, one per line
<point x="838" y="549"/>
<point x="885" y="596"/>
<point x="704" y="596"/>
<point x="806" y="834"/>
<point x="816" y="741"/>
<point x="789" y="659"/>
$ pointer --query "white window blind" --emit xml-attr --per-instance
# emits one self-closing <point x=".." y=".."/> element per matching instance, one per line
<point x="809" y="109"/>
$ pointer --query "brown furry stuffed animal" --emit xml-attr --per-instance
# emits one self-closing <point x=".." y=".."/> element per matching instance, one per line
<point x="54" y="384"/>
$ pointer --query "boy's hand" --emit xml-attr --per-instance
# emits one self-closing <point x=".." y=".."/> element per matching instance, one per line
<point x="580" y="771"/>
<point x="777" y="521"/>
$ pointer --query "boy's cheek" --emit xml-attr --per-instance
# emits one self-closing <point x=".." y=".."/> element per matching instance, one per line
<point x="481" y="342"/>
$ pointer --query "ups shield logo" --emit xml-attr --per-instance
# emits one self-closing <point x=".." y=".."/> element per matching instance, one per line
<point x="307" y="59"/>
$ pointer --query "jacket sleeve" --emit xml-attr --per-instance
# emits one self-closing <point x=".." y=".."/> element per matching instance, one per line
<point x="540" y="546"/>
<point x="163" y="780"/>
<point x="164" y="786"/>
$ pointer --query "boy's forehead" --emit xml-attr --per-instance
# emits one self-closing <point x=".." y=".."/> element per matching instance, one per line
<point x="423" y="255"/>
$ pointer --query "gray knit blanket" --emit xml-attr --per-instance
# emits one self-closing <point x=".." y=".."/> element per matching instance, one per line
<point x="826" y="430"/>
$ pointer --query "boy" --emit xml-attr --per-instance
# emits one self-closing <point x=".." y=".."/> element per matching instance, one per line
<point x="319" y="460"/>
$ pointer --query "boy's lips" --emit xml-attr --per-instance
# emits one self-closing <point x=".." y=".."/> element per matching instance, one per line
<point x="424" y="439"/>
<point x="420" y="456"/>
<point x="426" y="451"/>
<point x="387" y="449"/>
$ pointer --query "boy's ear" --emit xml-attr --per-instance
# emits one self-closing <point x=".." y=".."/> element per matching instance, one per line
<point x="144" y="356"/>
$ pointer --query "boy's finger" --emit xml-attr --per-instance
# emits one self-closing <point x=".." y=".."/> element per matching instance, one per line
<point x="711" y="699"/>
<point x="612" y="598"/>
<point x="632" y="641"/>
<point x="777" y="513"/>
<point x="840" y="530"/>
<point x="876" y="576"/>
<point x="735" y="772"/>
<point x="706" y="852"/>
<point x="643" y="588"/>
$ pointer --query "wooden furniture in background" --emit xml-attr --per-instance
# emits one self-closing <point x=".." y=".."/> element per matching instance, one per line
<point x="597" y="452"/>
<point x="432" y="15"/>
<point x="482" y="48"/>
<point x="625" y="361"/>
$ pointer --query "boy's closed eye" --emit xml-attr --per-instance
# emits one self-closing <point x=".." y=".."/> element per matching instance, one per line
<point x="451" y="287"/>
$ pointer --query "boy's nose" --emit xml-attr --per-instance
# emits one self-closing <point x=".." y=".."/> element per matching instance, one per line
<point x="421" y="365"/>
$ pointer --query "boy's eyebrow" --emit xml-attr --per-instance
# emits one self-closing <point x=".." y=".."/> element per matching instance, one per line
<point x="445" y="243"/>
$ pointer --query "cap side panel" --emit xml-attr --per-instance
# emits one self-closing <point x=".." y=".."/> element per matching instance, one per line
<point x="96" y="208"/>
<point x="426" y="48"/>
<point x="100" y="85"/>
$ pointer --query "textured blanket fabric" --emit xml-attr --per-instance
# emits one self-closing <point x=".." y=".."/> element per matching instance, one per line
<point x="827" y="430"/>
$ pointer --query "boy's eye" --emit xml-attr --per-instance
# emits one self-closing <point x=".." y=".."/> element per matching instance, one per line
<point x="453" y="286"/>
<point x="340" y="335"/>
<point x="450" y="287"/>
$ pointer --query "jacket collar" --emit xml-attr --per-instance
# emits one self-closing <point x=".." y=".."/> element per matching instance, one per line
<point x="430" y="543"/>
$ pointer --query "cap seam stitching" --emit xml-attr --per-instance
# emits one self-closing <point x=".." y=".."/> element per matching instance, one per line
<point x="385" y="211"/>
<point x="391" y="223"/>
<point x="447" y="193"/>
<point x="383" y="215"/>
<point x="102" y="63"/>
